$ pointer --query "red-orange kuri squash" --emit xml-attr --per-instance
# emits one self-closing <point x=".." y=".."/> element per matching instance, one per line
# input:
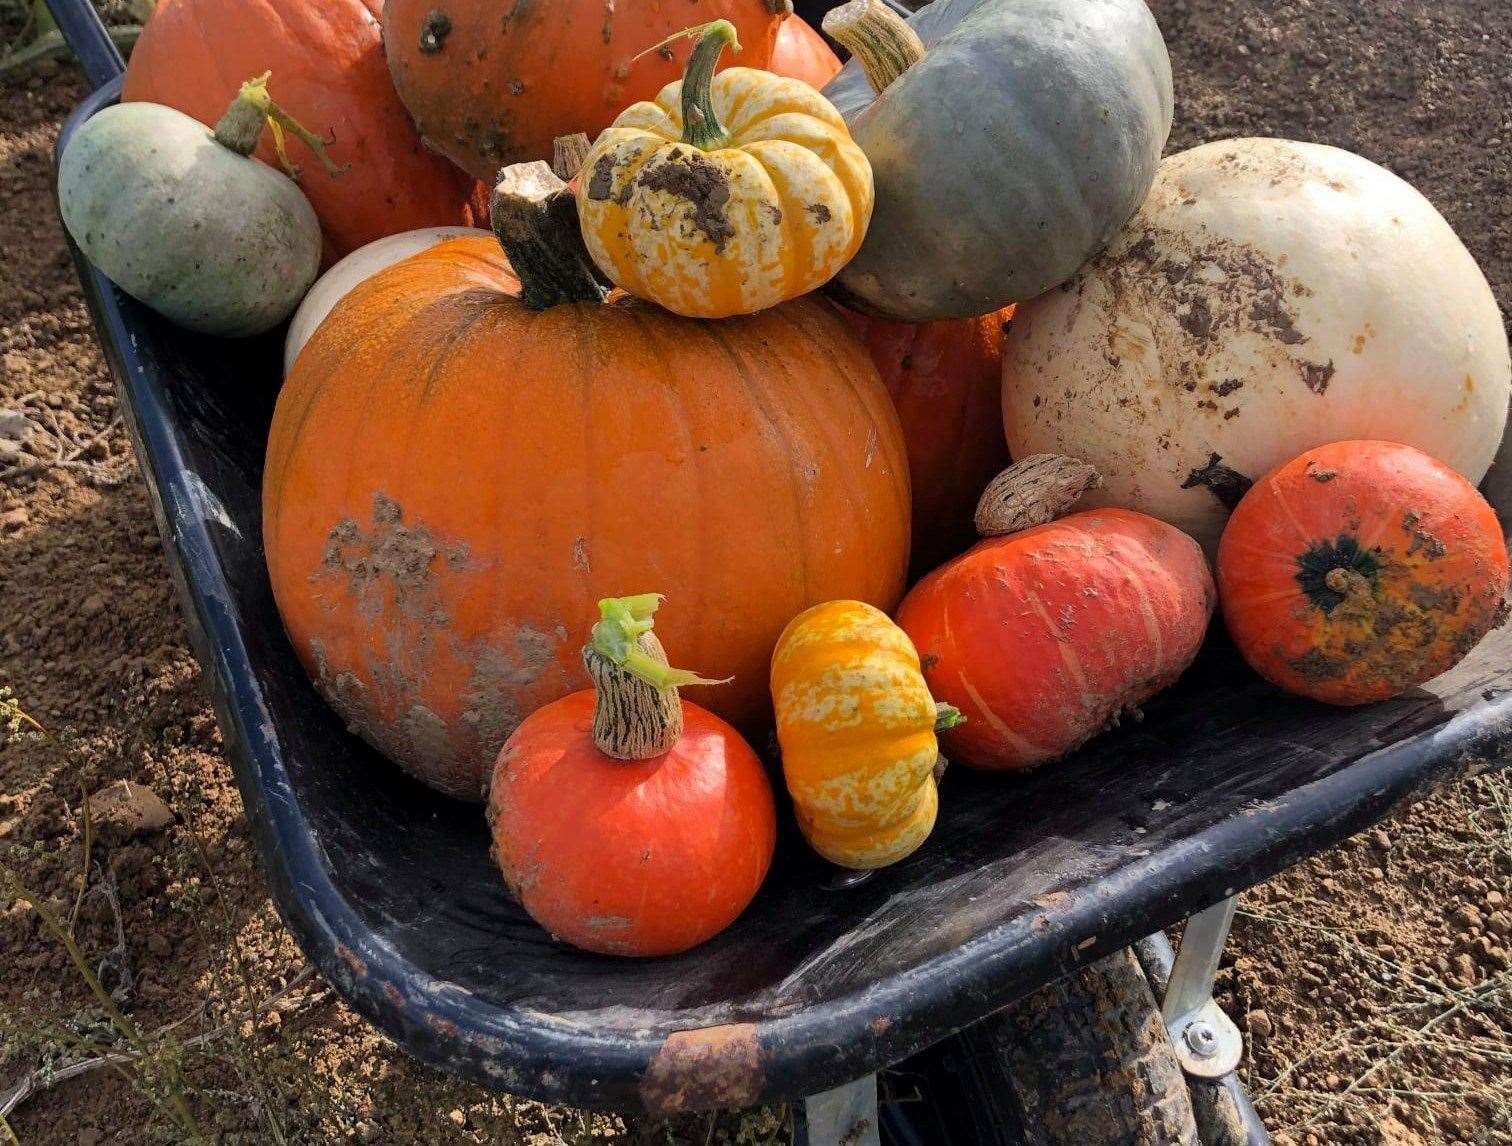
<point x="491" y="83"/>
<point x="945" y="379"/>
<point x="626" y="820"/>
<point x="1360" y="569"/>
<point x="457" y="464"/>
<point x="1044" y="637"/>
<point x="327" y="62"/>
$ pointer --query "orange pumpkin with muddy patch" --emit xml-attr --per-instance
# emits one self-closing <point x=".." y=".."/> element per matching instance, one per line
<point x="1359" y="570"/>
<point x="1048" y="631"/>
<point x="461" y="459"/>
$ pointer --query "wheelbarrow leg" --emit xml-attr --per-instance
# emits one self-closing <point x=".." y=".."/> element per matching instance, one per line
<point x="1225" y="1115"/>
<point x="845" y="1116"/>
<point x="1207" y="1042"/>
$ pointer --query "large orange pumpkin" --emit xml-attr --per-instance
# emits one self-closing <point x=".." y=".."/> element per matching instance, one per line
<point x="625" y="820"/>
<point x="1360" y="569"/>
<point x="945" y="379"/>
<point x="327" y="62"/>
<point x="453" y="474"/>
<point x="1044" y="637"/>
<point x="491" y="83"/>
<point x="803" y="54"/>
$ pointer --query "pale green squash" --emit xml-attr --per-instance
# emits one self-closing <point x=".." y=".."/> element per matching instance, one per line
<point x="180" y="218"/>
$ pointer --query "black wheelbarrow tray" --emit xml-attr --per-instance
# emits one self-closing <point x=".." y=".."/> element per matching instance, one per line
<point x="390" y="890"/>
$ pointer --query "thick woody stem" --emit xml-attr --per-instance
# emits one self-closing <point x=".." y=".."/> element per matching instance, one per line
<point x="637" y="714"/>
<point x="632" y="718"/>
<point x="535" y="218"/>
<point x="1032" y="492"/>
<point x="877" y="36"/>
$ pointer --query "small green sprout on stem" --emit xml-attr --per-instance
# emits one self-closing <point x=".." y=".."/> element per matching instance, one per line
<point x="252" y="110"/>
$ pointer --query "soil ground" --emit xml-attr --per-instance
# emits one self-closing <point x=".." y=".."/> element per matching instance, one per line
<point x="1373" y="981"/>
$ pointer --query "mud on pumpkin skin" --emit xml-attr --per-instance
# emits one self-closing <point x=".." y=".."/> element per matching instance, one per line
<point x="1359" y="570"/>
<point x="727" y="195"/>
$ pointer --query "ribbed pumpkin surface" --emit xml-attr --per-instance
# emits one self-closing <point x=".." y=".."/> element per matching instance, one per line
<point x="856" y="724"/>
<point x="945" y="379"/>
<point x="1044" y="637"/>
<point x="451" y="475"/>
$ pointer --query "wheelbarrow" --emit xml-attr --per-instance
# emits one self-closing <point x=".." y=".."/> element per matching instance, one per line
<point x="976" y="976"/>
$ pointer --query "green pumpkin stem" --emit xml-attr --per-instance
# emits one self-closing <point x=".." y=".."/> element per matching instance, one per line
<point x="701" y="127"/>
<point x="947" y="716"/>
<point x="877" y="36"/>
<point x="637" y="714"/>
<point x="536" y="220"/>
<point x="251" y="111"/>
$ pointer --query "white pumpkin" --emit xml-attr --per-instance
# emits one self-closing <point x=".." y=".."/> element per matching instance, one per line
<point x="1269" y="297"/>
<point x="361" y="264"/>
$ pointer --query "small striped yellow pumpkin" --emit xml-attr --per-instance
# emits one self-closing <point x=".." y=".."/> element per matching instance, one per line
<point x="857" y="728"/>
<point x="729" y="194"/>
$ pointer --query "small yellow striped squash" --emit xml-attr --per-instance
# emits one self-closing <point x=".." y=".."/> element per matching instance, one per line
<point x="728" y="195"/>
<point x="857" y="727"/>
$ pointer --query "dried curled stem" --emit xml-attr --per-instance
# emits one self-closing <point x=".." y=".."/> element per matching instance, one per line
<point x="567" y="155"/>
<point x="1033" y="492"/>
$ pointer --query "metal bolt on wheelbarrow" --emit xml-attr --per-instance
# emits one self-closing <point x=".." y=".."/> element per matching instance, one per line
<point x="971" y="982"/>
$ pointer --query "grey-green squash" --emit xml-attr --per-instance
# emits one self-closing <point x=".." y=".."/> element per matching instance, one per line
<point x="1011" y="141"/>
<point x="180" y="218"/>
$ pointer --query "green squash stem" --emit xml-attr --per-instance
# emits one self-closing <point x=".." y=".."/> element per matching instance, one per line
<point x="701" y="127"/>
<point x="252" y="110"/>
<point x="536" y="220"/>
<point x="636" y="714"/>
<point x="876" y="35"/>
<point x="947" y="716"/>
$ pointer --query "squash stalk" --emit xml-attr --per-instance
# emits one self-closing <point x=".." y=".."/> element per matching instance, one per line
<point x="883" y="41"/>
<point x="947" y="716"/>
<point x="536" y="220"/>
<point x="253" y="110"/>
<point x="568" y="153"/>
<point x="637" y="714"/>
<point x="701" y="127"/>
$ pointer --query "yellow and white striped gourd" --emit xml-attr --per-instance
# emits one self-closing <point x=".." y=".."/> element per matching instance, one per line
<point x="729" y="194"/>
<point x="857" y="727"/>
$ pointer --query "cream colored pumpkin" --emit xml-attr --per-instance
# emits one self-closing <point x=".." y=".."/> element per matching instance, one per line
<point x="728" y="195"/>
<point x="1269" y="297"/>
<point x="361" y="264"/>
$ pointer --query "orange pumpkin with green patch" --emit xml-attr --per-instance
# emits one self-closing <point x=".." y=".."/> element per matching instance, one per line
<point x="1359" y="570"/>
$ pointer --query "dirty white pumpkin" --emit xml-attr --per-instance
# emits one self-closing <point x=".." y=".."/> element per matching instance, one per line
<point x="360" y="265"/>
<point x="1269" y="297"/>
